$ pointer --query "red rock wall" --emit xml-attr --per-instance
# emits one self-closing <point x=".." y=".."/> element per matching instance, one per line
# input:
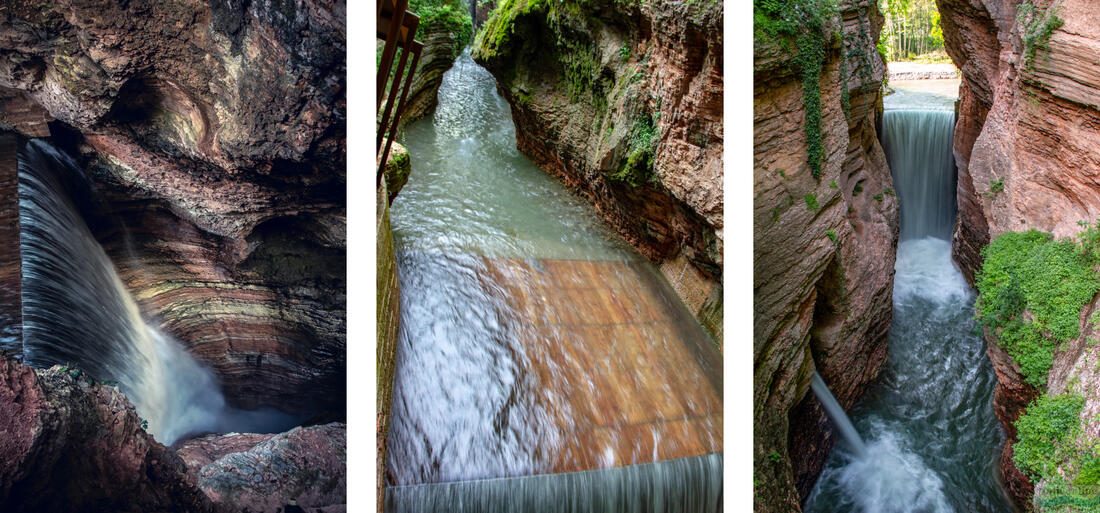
<point x="1034" y="128"/>
<point x="216" y="132"/>
<point x="818" y="303"/>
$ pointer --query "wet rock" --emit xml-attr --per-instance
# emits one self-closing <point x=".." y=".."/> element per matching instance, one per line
<point x="304" y="467"/>
<point x="70" y="444"/>
<point x="397" y="170"/>
<point x="823" y="251"/>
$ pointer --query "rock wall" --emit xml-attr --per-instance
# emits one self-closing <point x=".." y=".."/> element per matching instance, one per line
<point x="73" y="445"/>
<point x="444" y="36"/>
<point x="1026" y="145"/>
<point x="216" y="132"/>
<point x="823" y="252"/>
<point x="622" y="102"/>
<point x="11" y="313"/>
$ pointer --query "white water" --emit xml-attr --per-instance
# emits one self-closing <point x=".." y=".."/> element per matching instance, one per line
<point x="77" y="312"/>
<point x="836" y="414"/>
<point x="933" y="441"/>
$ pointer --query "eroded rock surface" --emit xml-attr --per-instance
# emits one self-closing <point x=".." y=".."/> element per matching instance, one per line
<point x="624" y="104"/>
<point x="216" y="133"/>
<point x="1026" y="146"/>
<point x="305" y="466"/>
<point x="823" y="253"/>
<point x="70" y="444"/>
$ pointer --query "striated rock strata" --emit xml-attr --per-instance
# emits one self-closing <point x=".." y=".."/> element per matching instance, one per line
<point x="623" y="103"/>
<point x="1026" y="145"/>
<point x="823" y="252"/>
<point x="216" y="133"/>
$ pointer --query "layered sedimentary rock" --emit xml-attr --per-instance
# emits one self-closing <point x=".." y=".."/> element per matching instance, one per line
<point x="216" y="134"/>
<point x="10" y="265"/>
<point x="823" y="249"/>
<point x="1026" y="145"/>
<point x="623" y="103"/>
<point x="72" y="444"/>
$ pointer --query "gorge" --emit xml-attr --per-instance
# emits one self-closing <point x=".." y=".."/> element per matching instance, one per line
<point x="1021" y="159"/>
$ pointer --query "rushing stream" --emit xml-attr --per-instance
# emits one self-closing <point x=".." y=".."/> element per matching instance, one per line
<point x="542" y="365"/>
<point x="932" y="439"/>
<point x="77" y="312"/>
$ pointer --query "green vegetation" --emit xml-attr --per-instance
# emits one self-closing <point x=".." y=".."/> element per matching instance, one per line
<point x="641" y="148"/>
<point x="1038" y="25"/>
<point x="624" y="52"/>
<point x="775" y="457"/>
<point x="888" y="191"/>
<point x="800" y="26"/>
<point x="834" y="185"/>
<point x="997" y="185"/>
<point x="912" y="30"/>
<point x="1050" y="280"/>
<point x="437" y="16"/>
<point x="831" y="234"/>
<point x="811" y="201"/>
<point x="1043" y="430"/>
<point x="858" y="189"/>
<point x="878" y="197"/>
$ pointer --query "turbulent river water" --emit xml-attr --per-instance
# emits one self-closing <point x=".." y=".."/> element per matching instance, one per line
<point x="932" y="439"/>
<point x="536" y="349"/>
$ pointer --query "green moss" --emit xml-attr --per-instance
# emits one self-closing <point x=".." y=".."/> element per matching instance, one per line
<point x="637" y="169"/>
<point x="439" y="16"/>
<point x="1050" y="279"/>
<point x="878" y="197"/>
<point x="800" y="26"/>
<point x="831" y="234"/>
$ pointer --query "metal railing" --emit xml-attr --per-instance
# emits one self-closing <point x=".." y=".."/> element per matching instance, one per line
<point x="397" y="27"/>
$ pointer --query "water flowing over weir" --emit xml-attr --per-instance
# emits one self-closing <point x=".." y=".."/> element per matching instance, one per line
<point x="932" y="439"/>
<point x="77" y="312"/>
<point x="541" y="363"/>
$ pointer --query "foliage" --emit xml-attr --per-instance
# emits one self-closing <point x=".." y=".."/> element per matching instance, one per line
<point x="997" y="185"/>
<point x="775" y="457"/>
<point x="1050" y="279"/>
<point x="641" y="148"/>
<point x="888" y="191"/>
<point x="1046" y="425"/>
<point x="1038" y="24"/>
<point x="800" y="26"/>
<point x="912" y="29"/>
<point x="624" y="52"/>
<point x="438" y="16"/>
<point x="858" y="189"/>
<point x="811" y="201"/>
<point x="878" y="197"/>
<point x="831" y="234"/>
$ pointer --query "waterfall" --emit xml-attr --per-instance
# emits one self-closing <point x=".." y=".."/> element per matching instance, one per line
<point x="836" y="414"/>
<point x="77" y="312"/>
<point x="682" y="485"/>
<point x="918" y="148"/>
<point x="932" y="438"/>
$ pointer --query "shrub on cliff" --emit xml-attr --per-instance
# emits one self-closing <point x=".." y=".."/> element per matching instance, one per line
<point x="439" y="16"/>
<point x="1044" y="431"/>
<point x="1050" y="280"/>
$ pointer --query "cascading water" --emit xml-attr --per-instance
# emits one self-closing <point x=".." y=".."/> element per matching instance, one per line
<point x="933" y="441"/>
<point x="76" y="311"/>
<point x="542" y="365"/>
<point x="836" y="414"/>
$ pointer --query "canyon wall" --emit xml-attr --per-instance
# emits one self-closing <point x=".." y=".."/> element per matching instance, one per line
<point x="824" y="247"/>
<point x="1028" y="153"/>
<point x="622" y="102"/>
<point x="216" y="134"/>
